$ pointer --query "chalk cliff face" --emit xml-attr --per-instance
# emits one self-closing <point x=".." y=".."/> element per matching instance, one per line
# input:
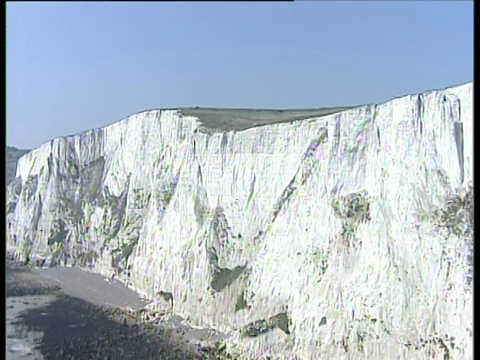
<point x="330" y="237"/>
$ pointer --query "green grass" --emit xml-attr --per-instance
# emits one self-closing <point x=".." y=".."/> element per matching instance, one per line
<point x="218" y="119"/>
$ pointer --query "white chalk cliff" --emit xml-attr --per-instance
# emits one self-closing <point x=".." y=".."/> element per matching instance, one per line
<point x="346" y="236"/>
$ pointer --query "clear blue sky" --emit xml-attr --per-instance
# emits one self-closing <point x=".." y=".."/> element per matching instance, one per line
<point x="76" y="66"/>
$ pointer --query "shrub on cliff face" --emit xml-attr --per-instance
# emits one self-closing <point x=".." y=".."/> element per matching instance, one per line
<point x="352" y="209"/>
<point x="457" y="214"/>
<point x="456" y="218"/>
<point x="352" y="206"/>
<point x="166" y="192"/>
<point x="321" y="258"/>
<point x="58" y="232"/>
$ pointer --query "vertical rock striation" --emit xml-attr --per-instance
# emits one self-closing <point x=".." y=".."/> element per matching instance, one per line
<point x="334" y="237"/>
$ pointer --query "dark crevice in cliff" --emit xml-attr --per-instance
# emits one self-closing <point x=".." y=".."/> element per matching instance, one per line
<point x="200" y="197"/>
<point x="241" y="302"/>
<point x="419" y="115"/>
<point x="224" y="277"/>
<point x="451" y="111"/>
<point x="252" y="191"/>
<point x="219" y="250"/>
<point x="92" y="179"/>
<point x="307" y="167"/>
<point x="280" y="321"/>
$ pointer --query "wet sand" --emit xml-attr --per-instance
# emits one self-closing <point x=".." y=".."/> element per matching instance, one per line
<point x="93" y="287"/>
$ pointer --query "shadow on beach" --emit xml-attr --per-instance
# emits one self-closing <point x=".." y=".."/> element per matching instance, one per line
<point x="76" y="329"/>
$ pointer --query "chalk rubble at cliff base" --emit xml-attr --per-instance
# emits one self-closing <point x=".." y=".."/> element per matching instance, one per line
<point x="342" y="236"/>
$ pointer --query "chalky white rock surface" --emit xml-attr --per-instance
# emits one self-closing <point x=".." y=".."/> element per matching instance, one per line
<point x="183" y="204"/>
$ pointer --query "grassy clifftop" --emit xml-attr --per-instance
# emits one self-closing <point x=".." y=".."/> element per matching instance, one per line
<point x="240" y="119"/>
